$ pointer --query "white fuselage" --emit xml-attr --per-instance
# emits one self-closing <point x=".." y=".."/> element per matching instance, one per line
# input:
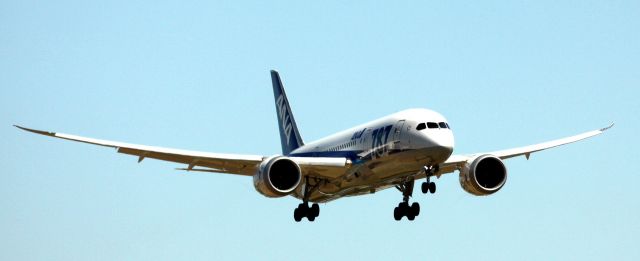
<point x="395" y="150"/>
<point x="382" y="152"/>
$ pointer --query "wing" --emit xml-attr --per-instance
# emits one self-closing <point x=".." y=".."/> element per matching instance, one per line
<point x="222" y="163"/>
<point x="246" y="165"/>
<point x="457" y="161"/>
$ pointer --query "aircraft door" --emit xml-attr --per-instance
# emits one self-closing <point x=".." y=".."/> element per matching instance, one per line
<point x="364" y="140"/>
<point x="397" y="135"/>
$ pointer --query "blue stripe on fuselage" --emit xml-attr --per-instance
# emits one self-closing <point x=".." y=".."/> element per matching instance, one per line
<point x="352" y="155"/>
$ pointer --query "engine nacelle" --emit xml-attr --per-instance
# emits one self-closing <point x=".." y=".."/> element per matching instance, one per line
<point x="277" y="177"/>
<point x="485" y="175"/>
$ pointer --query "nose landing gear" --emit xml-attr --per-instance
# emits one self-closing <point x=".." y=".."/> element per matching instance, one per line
<point x="428" y="186"/>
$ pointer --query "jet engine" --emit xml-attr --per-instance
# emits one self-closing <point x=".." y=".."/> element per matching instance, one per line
<point x="484" y="175"/>
<point x="277" y="177"/>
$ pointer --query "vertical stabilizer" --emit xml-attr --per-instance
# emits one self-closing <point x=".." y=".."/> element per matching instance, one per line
<point x="289" y="134"/>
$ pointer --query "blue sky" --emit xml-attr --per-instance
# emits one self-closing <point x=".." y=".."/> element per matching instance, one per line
<point x="195" y="75"/>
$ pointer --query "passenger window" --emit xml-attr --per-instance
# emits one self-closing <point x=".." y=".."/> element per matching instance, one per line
<point x="442" y="125"/>
<point x="448" y="127"/>
<point x="421" y="126"/>
<point x="432" y="125"/>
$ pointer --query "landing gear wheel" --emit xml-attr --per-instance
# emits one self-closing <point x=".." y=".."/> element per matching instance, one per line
<point x="296" y="215"/>
<point x="315" y="210"/>
<point x="404" y="209"/>
<point x="428" y="187"/>
<point x="432" y="187"/>
<point x="303" y="210"/>
<point x="415" y="209"/>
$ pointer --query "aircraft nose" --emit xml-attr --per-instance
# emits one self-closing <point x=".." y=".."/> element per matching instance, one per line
<point x="438" y="142"/>
<point x="445" y="142"/>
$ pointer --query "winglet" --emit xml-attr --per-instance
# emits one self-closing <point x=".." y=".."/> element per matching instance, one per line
<point x="609" y="127"/>
<point x="53" y="134"/>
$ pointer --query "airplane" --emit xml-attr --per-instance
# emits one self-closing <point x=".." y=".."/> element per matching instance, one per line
<point x="392" y="151"/>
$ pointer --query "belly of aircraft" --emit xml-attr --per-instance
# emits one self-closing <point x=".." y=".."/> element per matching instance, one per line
<point x="377" y="174"/>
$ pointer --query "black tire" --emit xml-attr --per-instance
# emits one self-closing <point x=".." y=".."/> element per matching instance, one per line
<point x="415" y="209"/>
<point x="411" y="217"/>
<point x="397" y="215"/>
<point x="424" y="187"/>
<point x="432" y="187"/>
<point x="304" y="210"/>
<point x="296" y="215"/>
<point x="311" y="218"/>
<point x="315" y="210"/>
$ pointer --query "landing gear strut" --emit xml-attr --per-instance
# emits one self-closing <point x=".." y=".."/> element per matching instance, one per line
<point x="428" y="186"/>
<point x="303" y="209"/>
<point x="403" y="209"/>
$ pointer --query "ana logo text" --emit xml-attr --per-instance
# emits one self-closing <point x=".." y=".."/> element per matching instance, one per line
<point x="285" y="118"/>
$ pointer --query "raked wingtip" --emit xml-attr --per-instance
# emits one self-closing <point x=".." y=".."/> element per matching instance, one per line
<point x="35" y="131"/>
<point x="608" y="127"/>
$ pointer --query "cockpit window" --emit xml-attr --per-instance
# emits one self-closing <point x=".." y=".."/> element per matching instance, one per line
<point x="421" y="126"/>
<point x="448" y="127"/>
<point x="443" y="125"/>
<point x="432" y="125"/>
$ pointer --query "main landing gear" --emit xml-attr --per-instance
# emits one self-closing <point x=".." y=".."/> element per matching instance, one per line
<point x="428" y="186"/>
<point x="411" y="211"/>
<point x="403" y="209"/>
<point x="303" y="209"/>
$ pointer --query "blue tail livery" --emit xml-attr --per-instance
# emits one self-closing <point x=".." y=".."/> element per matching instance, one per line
<point x="289" y="135"/>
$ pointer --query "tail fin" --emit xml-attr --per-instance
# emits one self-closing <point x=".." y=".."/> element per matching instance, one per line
<point x="289" y="134"/>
